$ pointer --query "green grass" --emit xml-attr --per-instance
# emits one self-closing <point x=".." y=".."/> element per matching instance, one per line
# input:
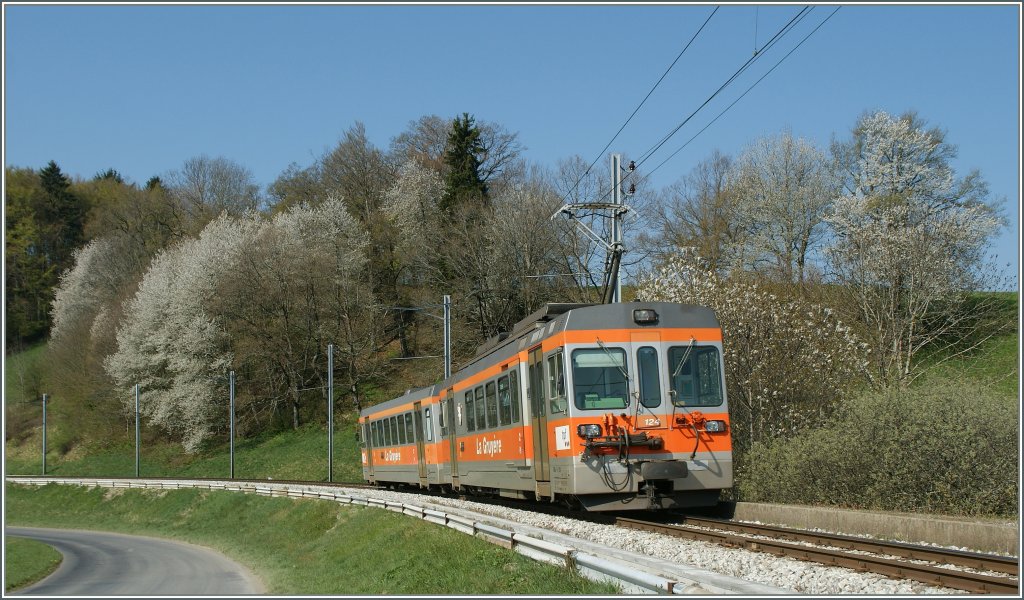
<point x="27" y="562"/>
<point x="299" y="454"/>
<point x="304" y="546"/>
<point x="994" y="363"/>
<point x="21" y="371"/>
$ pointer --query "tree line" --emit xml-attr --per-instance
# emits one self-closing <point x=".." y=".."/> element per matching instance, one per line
<point x="829" y="269"/>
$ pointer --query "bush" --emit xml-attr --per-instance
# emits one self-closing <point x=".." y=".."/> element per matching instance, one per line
<point x="942" y="449"/>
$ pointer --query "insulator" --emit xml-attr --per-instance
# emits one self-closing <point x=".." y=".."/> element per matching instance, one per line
<point x="632" y="189"/>
<point x="632" y="165"/>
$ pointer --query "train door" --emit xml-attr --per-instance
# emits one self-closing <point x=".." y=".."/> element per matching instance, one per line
<point x="538" y="415"/>
<point x="449" y="416"/>
<point x="648" y="395"/>
<point x="368" y="447"/>
<point x="421" y="454"/>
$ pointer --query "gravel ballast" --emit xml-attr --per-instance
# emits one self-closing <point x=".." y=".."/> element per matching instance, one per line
<point x="800" y="576"/>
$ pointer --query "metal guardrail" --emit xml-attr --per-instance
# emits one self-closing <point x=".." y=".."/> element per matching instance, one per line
<point x="631" y="578"/>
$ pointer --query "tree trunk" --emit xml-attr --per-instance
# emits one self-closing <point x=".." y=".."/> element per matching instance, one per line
<point x="295" y="408"/>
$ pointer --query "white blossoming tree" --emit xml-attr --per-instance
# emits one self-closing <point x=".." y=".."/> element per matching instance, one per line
<point x="783" y="188"/>
<point x="787" y="361"/>
<point x="298" y="289"/>
<point x="908" y="244"/>
<point x="169" y="343"/>
<point x="261" y="296"/>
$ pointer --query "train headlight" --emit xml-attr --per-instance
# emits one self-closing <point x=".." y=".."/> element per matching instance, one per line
<point x="588" y="431"/>
<point x="714" y="426"/>
<point x="645" y="316"/>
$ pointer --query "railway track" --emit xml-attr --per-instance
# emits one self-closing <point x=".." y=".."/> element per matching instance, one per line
<point x="892" y="559"/>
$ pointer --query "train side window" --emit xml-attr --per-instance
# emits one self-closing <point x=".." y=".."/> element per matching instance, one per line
<point x="427" y="425"/>
<point x="440" y="418"/>
<point x="556" y="383"/>
<point x="504" y="402"/>
<point x="379" y="427"/>
<point x="514" y="388"/>
<point x="387" y="432"/>
<point x="481" y="409"/>
<point x="394" y="430"/>
<point x="400" y="421"/>
<point x="410" y="435"/>
<point x="364" y="436"/>
<point x="649" y="376"/>
<point x="492" y="406"/>
<point x="470" y="412"/>
<point x="375" y="432"/>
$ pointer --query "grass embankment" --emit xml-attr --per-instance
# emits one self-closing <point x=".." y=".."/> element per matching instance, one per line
<point x="27" y="561"/>
<point x="304" y="546"/>
<point x="299" y="454"/>
<point x="23" y="374"/>
<point x="992" y="366"/>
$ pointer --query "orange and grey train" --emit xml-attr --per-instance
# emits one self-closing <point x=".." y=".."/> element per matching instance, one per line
<point x="604" y="407"/>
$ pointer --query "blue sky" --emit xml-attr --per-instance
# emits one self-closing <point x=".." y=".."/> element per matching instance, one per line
<point x="142" y="88"/>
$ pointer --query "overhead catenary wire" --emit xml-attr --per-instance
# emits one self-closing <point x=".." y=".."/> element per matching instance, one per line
<point x="750" y="61"/>
<point x="642" y="102"/>
<point x="741" y="96"/>
<point x="799" y="17"/>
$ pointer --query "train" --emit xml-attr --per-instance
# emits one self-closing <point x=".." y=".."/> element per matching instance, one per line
<point x="602" y="407"/>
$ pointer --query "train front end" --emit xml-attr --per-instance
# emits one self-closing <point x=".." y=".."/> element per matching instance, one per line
<point x="639" y="409"/>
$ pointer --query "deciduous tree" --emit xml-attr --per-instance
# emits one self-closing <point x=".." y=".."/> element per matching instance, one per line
<point x="783" y="187"/>
<point x="909" y="243"/>
<point x="206" y="186"/>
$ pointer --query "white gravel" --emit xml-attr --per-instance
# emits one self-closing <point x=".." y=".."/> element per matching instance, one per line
<point x="800" y="576"/>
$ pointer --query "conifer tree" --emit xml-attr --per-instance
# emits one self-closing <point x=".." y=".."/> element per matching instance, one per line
<point x="110" y="174"/>
<point x="463" y="183"/>
<point x="61" y="216"/>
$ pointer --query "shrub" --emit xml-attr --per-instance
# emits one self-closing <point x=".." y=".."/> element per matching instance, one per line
<point x="943" y="449"/>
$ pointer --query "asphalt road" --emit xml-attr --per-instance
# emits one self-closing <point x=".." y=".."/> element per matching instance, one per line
<point x="111" y="564"/>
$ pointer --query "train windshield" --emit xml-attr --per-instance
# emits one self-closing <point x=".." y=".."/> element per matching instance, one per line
<point x="696" y="375"/>
<point x="600" y="378"/>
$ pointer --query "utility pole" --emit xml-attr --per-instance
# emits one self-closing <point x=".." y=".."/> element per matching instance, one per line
<point x="231" y="387"/>
<point x="446" y="319"/>
<point x="330" y="413"/>
<point x="613" y="246"/>
<point x="447" y="337"/>
<point x="615" y="255"/>
<point x="136" y="430"/>
<point x="44" y="434"/>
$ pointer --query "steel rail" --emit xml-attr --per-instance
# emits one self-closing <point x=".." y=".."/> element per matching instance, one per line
<point x="930" y="574"/>
<point x="973" y="560"/>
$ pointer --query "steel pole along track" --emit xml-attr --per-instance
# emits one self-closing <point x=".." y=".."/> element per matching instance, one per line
<point x="930" y="574"/>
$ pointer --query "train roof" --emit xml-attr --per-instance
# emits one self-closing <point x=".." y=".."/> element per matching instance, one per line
<point x="559" y="317"/>
<point x="406" y="398"/>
